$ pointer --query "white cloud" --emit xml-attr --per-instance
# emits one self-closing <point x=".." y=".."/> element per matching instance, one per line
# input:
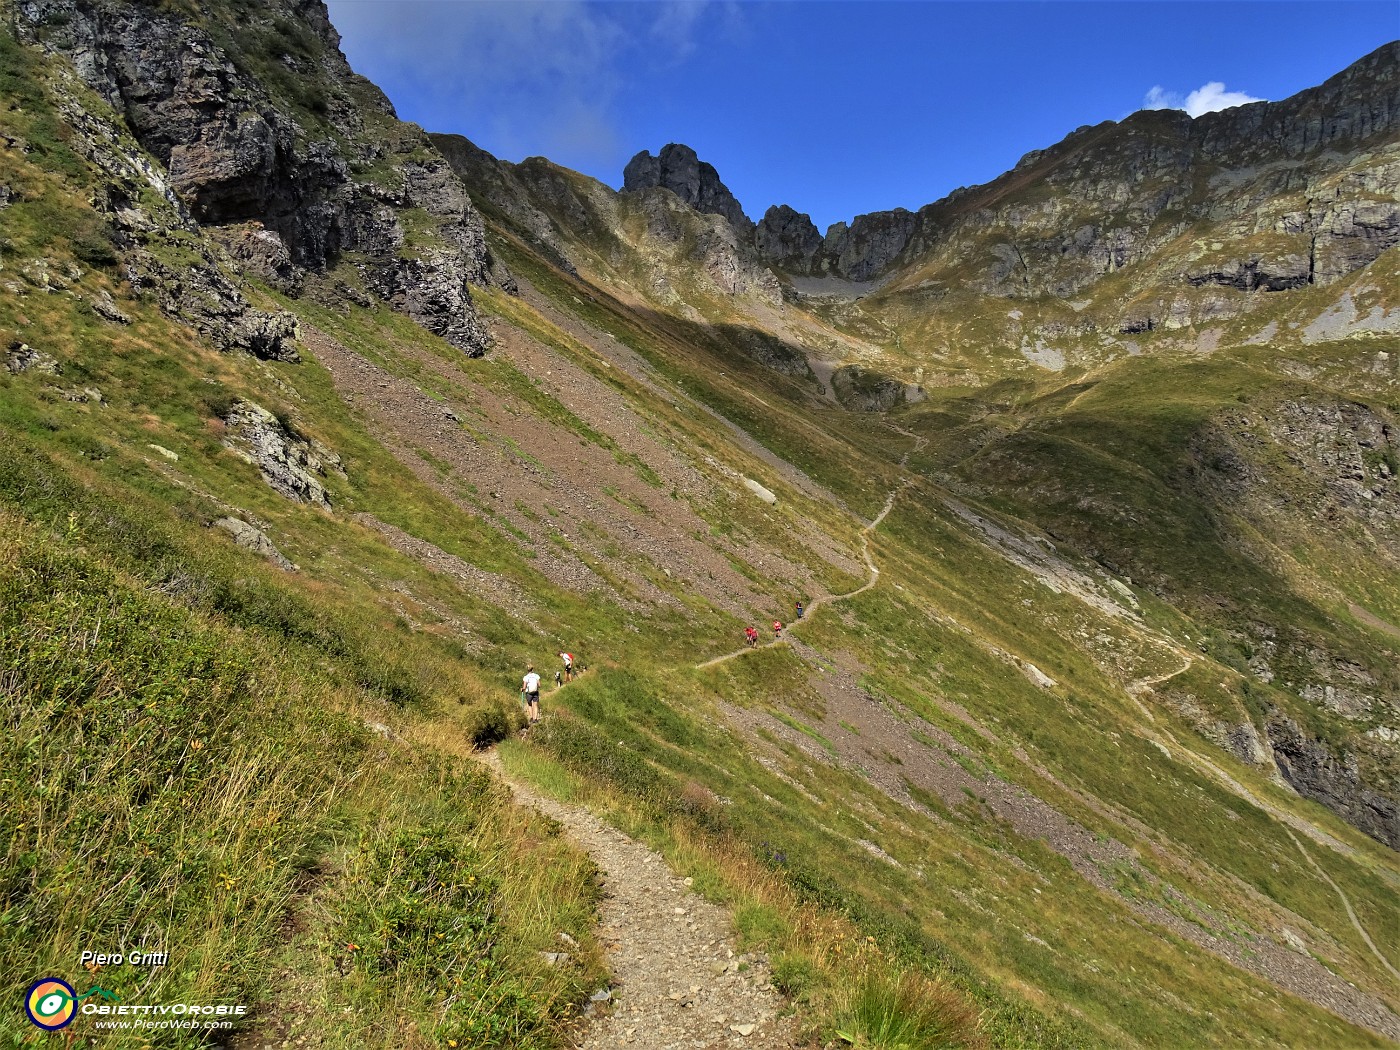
<point x="1160" y="98"/>
<point x="675" y="23"/>
<point x="1208" y="98"/>
<point x="524" y="76"/>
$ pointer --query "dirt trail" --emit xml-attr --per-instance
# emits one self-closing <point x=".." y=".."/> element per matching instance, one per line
<point x="680" y="980"/>
<point x="872" y="570"/>
<point x="1346" y="903"/>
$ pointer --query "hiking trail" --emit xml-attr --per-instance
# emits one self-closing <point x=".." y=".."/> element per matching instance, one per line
<point x="872" y="570"/>
<point x="680" y="981"/>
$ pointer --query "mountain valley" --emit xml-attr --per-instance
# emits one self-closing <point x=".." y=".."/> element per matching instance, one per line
<point x="320" y="428"/>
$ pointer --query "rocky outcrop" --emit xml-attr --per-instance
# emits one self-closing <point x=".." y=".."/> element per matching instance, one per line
<point x="788" y="239"/>
<point x="21" y="357"/>
<point x="529" y="195"/>
<point x="863" y="390"/>
<point x="678" y="169"/>
<point x="253" y="539"/>
<point x="202" y="296"/>
<point x="1258" y="273"/>
<point x="432" y="289"/>
<point x="267" y="136"/>
<point x="1315" y="772"/>
<point x="1353" y="453"/>
<point x="291" y="463"/>
<point x="868" y="245"/>
<point x="1319" y="173"/>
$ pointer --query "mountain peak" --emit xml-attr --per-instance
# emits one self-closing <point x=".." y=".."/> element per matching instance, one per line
<point x="678" y="169"/>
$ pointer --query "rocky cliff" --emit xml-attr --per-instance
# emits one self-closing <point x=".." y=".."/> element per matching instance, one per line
<point x="678" y="169"/>
<point x="1297" y="192"/>
<point x="654" y="233"/>
<point x="272" y="144"/>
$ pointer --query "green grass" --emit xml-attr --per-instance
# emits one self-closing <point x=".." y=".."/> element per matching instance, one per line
<point x="177" y="783"/>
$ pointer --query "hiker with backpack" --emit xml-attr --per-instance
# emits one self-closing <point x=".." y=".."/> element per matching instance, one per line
<point x="530" y="694"/>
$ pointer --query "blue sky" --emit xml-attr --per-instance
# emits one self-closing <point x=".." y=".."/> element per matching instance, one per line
<point x="836" y="108"/>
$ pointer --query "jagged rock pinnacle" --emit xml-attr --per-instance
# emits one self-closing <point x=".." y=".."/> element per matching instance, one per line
<point x="678" y="169"/>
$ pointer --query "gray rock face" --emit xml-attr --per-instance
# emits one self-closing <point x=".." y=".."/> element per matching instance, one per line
<point x="1315" y="772"/>
<point x="788" y="239"/>
<point x="292" y="464"/>
<point x="22" y="357"/>
<point x="856" y="251"/>
<point x="1258" y="272"/>
<point x="868" y="245"/>
<point x="678" y="169"/>
<point x="255" y="540"/>
<point x="509" y="188"/>
<point x="433" y="290"/>
<point x="281" y="164"/>
<point x="202" y="296"/>
<point x="1353" y="453"/>
<point x="865" y="391"/>
<point x="1320" y="172"/>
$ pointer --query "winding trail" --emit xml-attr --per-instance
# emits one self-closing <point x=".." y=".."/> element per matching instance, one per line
<point x="681" y="982"/>
<point x="872" y="570"/>
<point x="1289" y="821"/>
<point x="1346" y="903"/>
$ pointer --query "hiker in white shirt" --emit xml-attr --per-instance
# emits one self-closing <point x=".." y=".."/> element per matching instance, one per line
<point x="530" y="692"/>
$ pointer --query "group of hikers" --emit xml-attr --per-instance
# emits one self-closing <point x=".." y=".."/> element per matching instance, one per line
<point x="751" y="632"/>
<point x="530" y="684"/>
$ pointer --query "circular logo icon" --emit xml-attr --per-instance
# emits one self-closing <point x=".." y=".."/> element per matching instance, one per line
<point x="51" y="1004"/>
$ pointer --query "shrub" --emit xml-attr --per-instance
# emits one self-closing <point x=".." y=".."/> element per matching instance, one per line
<point x="426" y="915"/>
<point x="586" y="750"/>
<point x="905" y="1012"/>
<point x="92" y="243"/>
<point x="492" y="721"/>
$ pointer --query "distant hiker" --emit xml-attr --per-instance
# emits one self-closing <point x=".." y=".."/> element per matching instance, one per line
<point x="777" y="629"/>
<point x="568" y="659"/>
<point x="799" y="610"/>
<point x="751" y="635"/>
<point x="530" y="692"/>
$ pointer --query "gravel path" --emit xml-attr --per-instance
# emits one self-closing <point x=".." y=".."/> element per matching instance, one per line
<point x="680" y="980"/>
<point x="872" y="570"/>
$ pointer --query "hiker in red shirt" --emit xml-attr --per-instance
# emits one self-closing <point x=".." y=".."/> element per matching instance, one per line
<point x="777" y="629"/>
